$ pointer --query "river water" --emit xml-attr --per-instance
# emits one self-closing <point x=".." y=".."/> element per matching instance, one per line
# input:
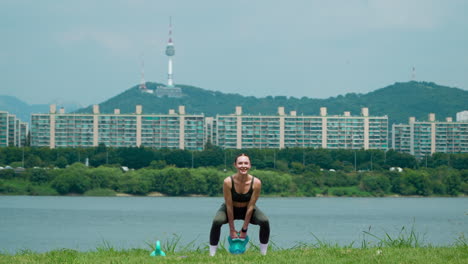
<point x="86" y="223"/>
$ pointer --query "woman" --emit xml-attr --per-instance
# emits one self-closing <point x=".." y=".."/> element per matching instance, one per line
<point x="241" y="192"/>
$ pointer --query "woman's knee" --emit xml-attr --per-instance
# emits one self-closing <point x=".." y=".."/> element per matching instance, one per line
<point x="219" y="220"/>
<point x="262" y="220"/>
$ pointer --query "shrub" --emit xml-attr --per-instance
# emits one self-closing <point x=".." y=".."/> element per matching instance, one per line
<point x="7" y="174"/>
<point x="41" y="190"/>
<point x="100" y="192"/>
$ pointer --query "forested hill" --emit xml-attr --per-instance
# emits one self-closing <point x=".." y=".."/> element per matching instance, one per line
<point x="398" y="101"/>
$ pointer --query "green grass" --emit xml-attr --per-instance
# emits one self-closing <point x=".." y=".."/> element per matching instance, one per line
<point x="406" y="247"/>
<point x="297" y="255"/>
<point x="22" y="187"/>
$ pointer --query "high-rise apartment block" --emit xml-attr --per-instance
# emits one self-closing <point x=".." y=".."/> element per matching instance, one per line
<point x="423" y="138"/>
<point x="178" y="130"/>
<point x="290" y="130"/>
<point x="182" y="131"/>
<point x="13" y="132"/>
<point x="172" y="130"/>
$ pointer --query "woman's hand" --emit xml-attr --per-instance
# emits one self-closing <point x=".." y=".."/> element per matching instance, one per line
<point x="234" y="234"/>
<point x="243" y="235"/>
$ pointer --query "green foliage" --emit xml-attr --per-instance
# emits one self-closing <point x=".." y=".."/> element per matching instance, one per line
<point x="378" y="184"/>
<point x="198" y="182"/>
<point x="285" y="172"/>
<point x="214" y="182"/>
<point x="210" y="156"/>
<point x="7" y="174"/>
<point x="297" y="167"/>
<point x="398" y="159"/>
<point x="157" y="164"/>
<point x="41" y="190"/>
<point x="339" y="178"/>
<point x="15" y="187"/>
<point x="16" y="164"/>
<point x="100" y="192"/>
<point x="307" y="182"/>
<point x="72" y="180"/>
<point x="39" y="175"/>
<point x="133" y="183"/>
<point x="33" y="161"/>
<point x="61" y="162"/>
<point x="291" y="160"/>
<point x="453" y="182"/>
<point x="104" y="177"/>
<point x="415" y="183"/>
<point x="282" y="165"/>
<point x="273" y="182"/>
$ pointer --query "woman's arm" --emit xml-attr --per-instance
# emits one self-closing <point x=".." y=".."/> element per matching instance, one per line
<point x="227" y="185"/>
<point x="257" y="186"/>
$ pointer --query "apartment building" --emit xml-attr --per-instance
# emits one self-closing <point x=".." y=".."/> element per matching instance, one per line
<point x="172" y="130"/>
<point x="423" y="138"/>
<point x="178" y="130"/>
<point x="13" y="132"/>
<point x="290" y="130"/>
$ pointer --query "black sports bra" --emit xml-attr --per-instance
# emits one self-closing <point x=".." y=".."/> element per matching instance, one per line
<point x="241" y="197"/>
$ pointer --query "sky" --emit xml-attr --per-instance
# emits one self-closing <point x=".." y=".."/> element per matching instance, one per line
<point x="88" y="51"/>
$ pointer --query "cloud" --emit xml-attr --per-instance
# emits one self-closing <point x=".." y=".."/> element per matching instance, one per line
<point x="403" y="14"/>
<point x="369" y="15"/>
<point x="115" y="43"/>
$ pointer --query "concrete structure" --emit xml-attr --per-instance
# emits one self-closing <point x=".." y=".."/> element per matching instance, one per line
<point x="282" y="130"/>
<point x="173" y="130"/>
<point x="13" y="132"/>
<point x="421" y="138"/>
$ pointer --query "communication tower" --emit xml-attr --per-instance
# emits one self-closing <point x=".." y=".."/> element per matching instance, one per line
<point x="170" y="52"/>
<point x="170" y="90"/>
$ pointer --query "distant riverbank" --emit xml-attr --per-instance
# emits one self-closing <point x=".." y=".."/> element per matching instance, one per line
<point x="207" y="182"/>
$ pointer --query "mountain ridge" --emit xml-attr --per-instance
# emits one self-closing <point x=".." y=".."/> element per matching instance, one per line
<point x="23" y="110"/>
<point x="398" y="101"/>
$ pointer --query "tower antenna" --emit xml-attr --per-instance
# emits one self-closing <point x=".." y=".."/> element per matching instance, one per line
<point x="142" y="83"/>
<point x="170" y="52"/>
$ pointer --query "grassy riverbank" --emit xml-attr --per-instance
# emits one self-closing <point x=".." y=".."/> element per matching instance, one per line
<point x="332" y="255"/>
<point x="404" y="248"/>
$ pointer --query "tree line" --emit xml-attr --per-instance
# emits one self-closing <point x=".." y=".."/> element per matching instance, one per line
<point x="284" y="160"/>
<point x="173" y="181"/>
<point x="285" y="172"/>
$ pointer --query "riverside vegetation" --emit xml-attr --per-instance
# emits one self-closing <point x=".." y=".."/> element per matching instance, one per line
<point x="285" y="172"/>
<point x="405" y="248"/>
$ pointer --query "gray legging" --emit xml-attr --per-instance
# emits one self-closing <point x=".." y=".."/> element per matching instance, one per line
<point x="258" y="218"/>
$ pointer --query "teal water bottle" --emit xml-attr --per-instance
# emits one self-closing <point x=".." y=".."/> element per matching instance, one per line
<point x="157" y="251"/>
